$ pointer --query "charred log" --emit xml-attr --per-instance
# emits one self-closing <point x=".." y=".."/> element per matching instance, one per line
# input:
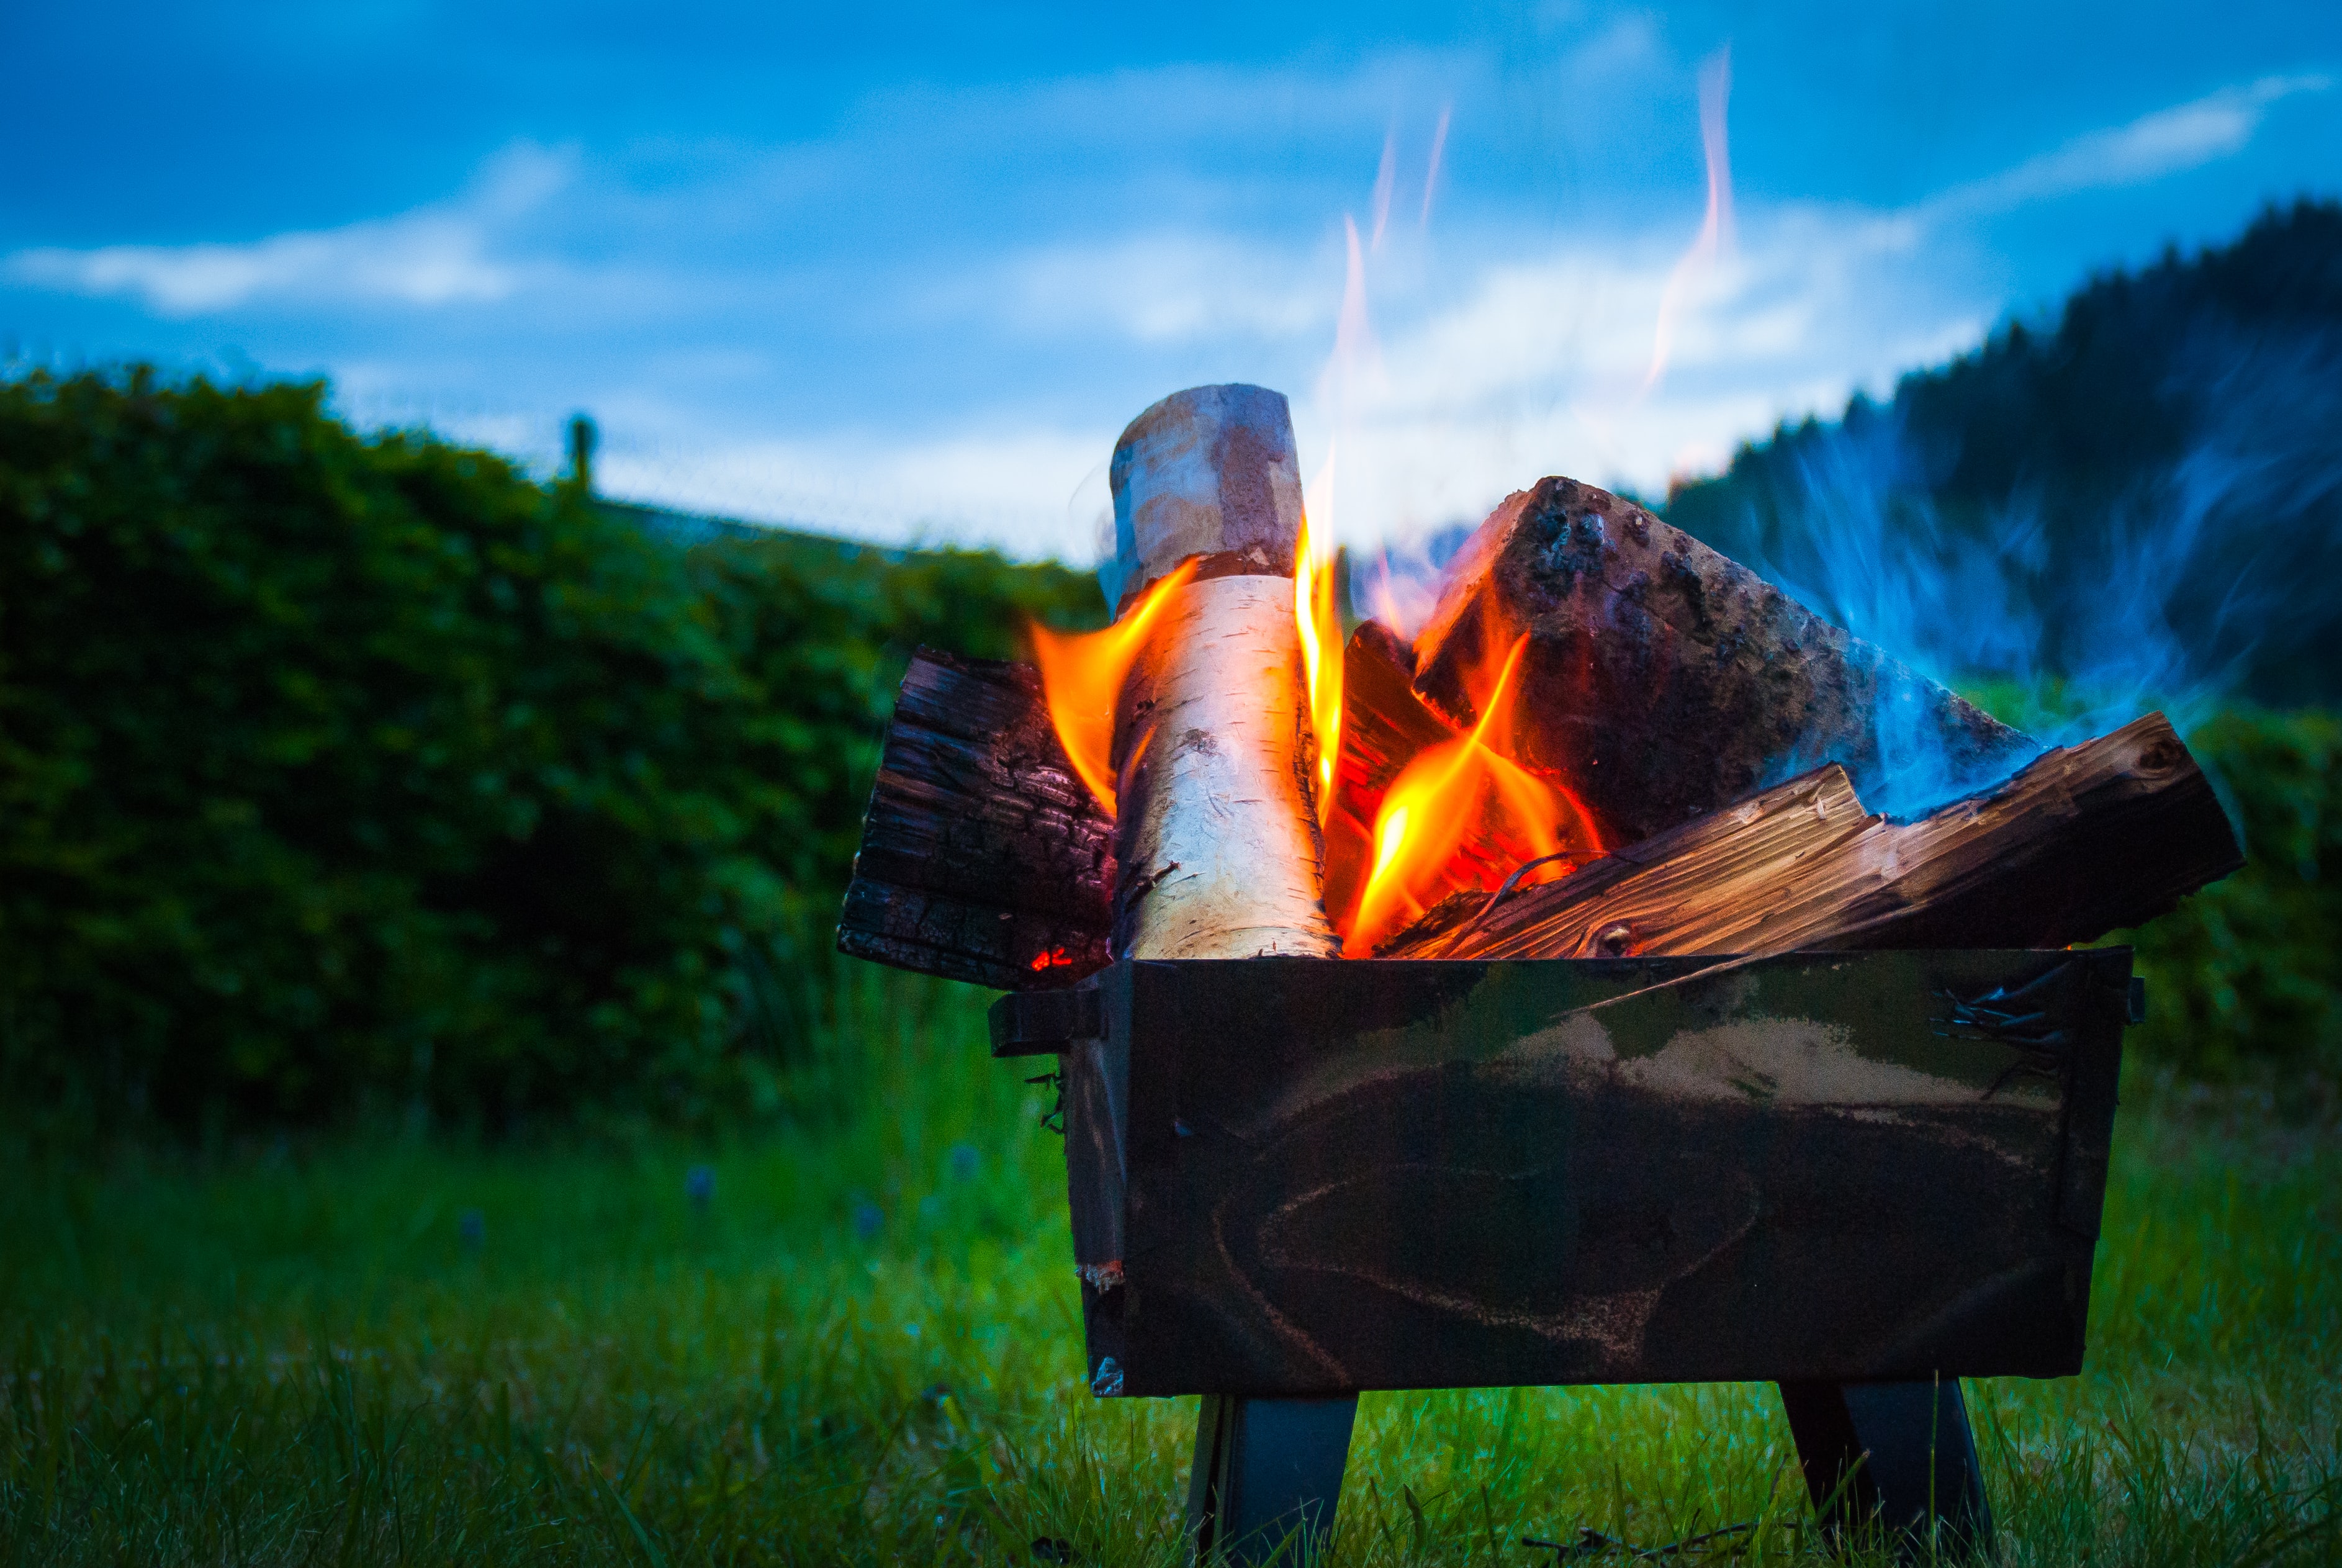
<point x="1664" y="681"/>
<point x="983" y="856"/>
<point x="2086" y="840"/>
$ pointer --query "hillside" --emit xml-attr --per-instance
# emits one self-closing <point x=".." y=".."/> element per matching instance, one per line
<point x="2146" y="490"/>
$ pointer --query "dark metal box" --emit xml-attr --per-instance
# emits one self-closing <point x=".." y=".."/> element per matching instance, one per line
<point x="1305" y="1177"/>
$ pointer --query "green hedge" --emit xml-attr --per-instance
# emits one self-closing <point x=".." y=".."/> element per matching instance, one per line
<point x="340" y="772"/>
<point x="2244" y="978"/>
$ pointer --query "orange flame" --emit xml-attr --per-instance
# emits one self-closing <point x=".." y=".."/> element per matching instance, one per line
<point x="1320" y="625"/>
<point x="1442" y="794"/>
<point x="1081" y="680"/>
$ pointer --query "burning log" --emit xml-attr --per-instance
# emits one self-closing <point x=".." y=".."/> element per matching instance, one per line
<point x="1663" y="681"/>
<point x="1217" y="840"/>
<point x="1385" y="727"/>
<point x="2085" y="840"/>
<point x="988" y="851"/>
<point x="984" y="858"/>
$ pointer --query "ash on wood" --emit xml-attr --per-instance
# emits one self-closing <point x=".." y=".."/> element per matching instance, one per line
<point x="2085" y="840"/>
<point x="1828" y="1167"/>
<point x="983" y="856"/>
<point x="1663" y="680"/>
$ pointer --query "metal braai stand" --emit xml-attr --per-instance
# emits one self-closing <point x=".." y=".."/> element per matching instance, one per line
<point x="1861" y="1177"/>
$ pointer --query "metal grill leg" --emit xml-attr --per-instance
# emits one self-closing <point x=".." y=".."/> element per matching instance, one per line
<point x="1901" y="1452"/>
<point x="1268" y="1476"/>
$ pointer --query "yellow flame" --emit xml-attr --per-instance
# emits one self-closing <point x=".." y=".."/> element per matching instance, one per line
<point x="1081" y="675"/>
<point x="1320" y="626"/>
<point x="1387" y="842"/>
<point x="1444" y="782"/>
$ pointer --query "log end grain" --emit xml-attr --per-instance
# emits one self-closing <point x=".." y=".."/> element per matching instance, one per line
<point x="1211" y="471"/>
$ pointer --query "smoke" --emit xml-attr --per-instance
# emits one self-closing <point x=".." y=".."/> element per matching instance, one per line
<point x="1713" y="242"/>
<point x="1399" y="583"/>
<point x="1089" y="513"/>
<point x="2175" y="590"/>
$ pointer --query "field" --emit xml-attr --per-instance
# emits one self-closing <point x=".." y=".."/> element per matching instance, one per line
<point x="860" y="1343"/>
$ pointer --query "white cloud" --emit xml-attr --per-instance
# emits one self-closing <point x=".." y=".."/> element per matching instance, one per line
<point x="432" y="257"/>
<point x="1168" y="288"/>
<point x="1503" y="356"/>
<point x="1539" y="367"/>
<point x="1531" y="363"/>
<point x="2167" y="142"/>
<point x="1009" y="490"/>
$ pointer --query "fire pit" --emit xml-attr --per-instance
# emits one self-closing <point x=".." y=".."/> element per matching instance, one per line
<point x="1660" y="1075"/>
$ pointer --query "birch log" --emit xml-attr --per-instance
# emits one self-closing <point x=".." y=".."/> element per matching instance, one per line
<point x="1217" y="846"/>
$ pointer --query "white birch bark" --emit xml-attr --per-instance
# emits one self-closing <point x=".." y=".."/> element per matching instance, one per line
<point x="1218" y="845"/>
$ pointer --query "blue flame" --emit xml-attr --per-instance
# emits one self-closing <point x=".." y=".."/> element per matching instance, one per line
<point x="2081" y="616"/>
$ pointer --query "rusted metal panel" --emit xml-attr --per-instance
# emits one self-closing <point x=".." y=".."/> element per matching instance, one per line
<point x="1824" y="1167"/>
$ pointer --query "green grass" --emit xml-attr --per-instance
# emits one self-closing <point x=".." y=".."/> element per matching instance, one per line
<point x="866" y="1348"/>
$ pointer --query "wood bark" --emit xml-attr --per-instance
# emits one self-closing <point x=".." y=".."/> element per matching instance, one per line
<point x="1664" y="681"/>
<point x="1217" y="847"/>
<point x="1219" y="852"/>
<point x="2085" y="840"/>
<point x="1209" y="472"/>
<point x="983" y="856"/>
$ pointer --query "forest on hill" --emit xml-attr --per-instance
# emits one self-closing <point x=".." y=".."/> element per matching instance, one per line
<point x="2144" y="491"/>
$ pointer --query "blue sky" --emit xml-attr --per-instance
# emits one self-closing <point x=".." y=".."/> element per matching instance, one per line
<point x="905" y="274"/>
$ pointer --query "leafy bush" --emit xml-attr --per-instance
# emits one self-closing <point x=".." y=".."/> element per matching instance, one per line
<point x="2244" y="977"/>
<point x="340" y="772"/>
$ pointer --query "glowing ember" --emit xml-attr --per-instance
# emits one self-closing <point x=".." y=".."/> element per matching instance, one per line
<point x="1321" y="658"/>
<point x="1452" y="796"/>
<point x="1081" y="680"/>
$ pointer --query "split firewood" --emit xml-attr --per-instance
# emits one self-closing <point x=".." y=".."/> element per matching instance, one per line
<point x="2085" y="840"/>
<point x="1715" y="870"/>
<point x="1664" y="681"/>
<point x="1217" y="842"/>
<point x="984" y="858"/>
